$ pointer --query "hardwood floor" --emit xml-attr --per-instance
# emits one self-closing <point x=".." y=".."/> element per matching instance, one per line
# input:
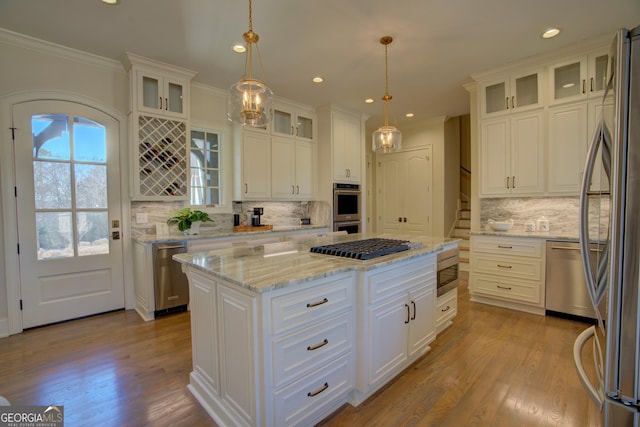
<point x="493" y="367"/>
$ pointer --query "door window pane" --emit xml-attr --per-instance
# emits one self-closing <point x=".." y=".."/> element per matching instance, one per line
<point x="91" y="186"/>
<point x="52" y="185"/>
<point x="54" y="235"/>
<point x="93" y="233"/>
<point x="51" y="136"/>
<point x="89" y="140"/>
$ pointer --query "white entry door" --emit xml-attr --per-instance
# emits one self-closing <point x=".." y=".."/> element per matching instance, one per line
<point x="68" y="201"/>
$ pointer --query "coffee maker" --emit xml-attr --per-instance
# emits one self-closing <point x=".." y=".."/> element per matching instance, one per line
<point x="257" y="213"/>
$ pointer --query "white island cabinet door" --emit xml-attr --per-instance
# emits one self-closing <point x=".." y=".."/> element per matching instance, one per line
<point x="422" y="329"/>
<point x="203" y="331"/>
<point x="238" y="348"/>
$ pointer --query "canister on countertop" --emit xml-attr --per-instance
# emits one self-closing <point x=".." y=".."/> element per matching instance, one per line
<point x="249" y="217"/>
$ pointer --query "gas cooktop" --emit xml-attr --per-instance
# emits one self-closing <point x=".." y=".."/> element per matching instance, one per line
<point x="364" y="249"/>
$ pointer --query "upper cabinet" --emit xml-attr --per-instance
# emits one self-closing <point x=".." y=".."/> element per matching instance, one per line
<point x="159" y="123"/>
<point x="578" y="78"/>
<point x="289" y="120"/>
<point x="511" y="92"/>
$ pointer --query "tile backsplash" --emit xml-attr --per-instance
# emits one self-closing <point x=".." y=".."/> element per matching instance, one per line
<point x="562" y="212"/>
<point x="275" y="213"/>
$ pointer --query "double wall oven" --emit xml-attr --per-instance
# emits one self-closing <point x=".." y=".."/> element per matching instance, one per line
<point x="346" y="208"/>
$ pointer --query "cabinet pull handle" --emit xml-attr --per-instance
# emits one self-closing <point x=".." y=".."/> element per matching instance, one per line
<point x="505" y="247"/>
<point x="408" y="314"/>
<point x="404" y="219"/>
<point x="413" y="303"/>
<point x="506" y="103"/>
<point x="166" y="104"/>
<point x="297" y="189"/>
<point x="591" y="84"/>
<point x="291" y="130"/>
<point x="161" y="103"/>
<point x="318" y="391"/>
<point x="513" y="104"/>
<point x="507" y="182"/>
<point x="399" y="219"/>
<point x="513" y="182"/>
<point x="508" y="288"/>
<point x="315" y="304"/>
<point x="584" y="83"/>
<point x="293" y="189"/>
<point x="445" y="309"/>
<point x="504" y="266"/>
<point x="246" y="188"/>
<point x="317" y="346"/>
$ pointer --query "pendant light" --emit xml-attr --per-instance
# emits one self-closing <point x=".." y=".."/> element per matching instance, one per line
<point x="250" y="100"/>
<point x="387" y="138"/>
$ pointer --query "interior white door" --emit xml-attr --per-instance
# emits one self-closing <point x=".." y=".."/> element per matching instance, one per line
<point x="69" y="211"/>
<point x="390" y="199"/>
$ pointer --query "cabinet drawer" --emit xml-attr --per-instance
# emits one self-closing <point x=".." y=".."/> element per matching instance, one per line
<point x="316" y="394"/>
<point x="507" y="246"/>
<point x="390" y="282"/>
<point x="447" y="306"/>
<point x="506" y="288"/>
<point x="507" y="266"/>
<point x="310" y="348"/>
<point x="299" y="309"/>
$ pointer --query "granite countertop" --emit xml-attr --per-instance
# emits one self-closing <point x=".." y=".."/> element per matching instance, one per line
<point x="268" y="267"/>
<point x="153" y="238"/>
<point x="568" y="236"/>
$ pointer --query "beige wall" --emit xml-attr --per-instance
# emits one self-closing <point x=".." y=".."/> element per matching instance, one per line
<point x="465" y="154"/>
<point x="451" y="173"/>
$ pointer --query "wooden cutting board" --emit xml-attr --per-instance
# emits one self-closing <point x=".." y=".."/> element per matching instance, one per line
<point x="264" y="227"/>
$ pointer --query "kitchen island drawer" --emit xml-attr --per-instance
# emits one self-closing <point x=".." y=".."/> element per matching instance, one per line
<point x="312" y="398"/>
<point x="507" y="246"/>
<point x="312" y="304"/>
<point x="508" y="266"/>
<point x="446" y="309"/>
<point x="386" y="283"/>
<point x="507" y="288"/>
<point x="310" y="348"/>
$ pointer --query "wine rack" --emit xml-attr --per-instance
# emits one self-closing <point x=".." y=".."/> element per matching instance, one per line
<point x="162" y="159"/>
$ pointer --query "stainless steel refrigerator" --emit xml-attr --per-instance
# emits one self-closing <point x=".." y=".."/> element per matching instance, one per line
<point x="610" y="219"/>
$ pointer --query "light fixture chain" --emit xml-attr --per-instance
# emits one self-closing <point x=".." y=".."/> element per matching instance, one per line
<point x="250" y="17"/>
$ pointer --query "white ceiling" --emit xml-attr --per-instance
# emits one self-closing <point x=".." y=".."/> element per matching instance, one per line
<point x="437" y="44"/>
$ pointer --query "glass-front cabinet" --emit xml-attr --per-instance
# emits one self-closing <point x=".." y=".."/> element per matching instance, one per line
<point x="290" y="121"/>
<point x="161" y="94"/>
<point x="510" y="93"/>
<point x="578" y="78"/>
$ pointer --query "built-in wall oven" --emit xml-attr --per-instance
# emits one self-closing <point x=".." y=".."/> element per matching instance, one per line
<point x="448" y="261"/>
<point x="346" y="207"/>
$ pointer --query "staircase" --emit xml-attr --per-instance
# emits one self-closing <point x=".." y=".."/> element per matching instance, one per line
<point x="463" y="226"/>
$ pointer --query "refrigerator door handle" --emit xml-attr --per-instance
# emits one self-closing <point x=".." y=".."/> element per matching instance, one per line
<point x="596" y="395"/>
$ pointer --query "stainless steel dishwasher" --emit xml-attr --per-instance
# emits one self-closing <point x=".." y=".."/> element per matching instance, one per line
<point x="171" y="287"/>
<point x="566" y="289"/>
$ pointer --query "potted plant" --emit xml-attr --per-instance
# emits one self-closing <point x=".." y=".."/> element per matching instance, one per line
<point x="188" y="220"/>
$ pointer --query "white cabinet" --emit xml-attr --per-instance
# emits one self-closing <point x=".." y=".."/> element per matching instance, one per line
<point x="292" y="169"/>
<point x="399" y="320"/>
<point x="159" y="123"/>
<point x="404" y="192"/>
<point x="447" y="309"/>
<point x="254" y="171"/>
<point x="291" y="120"/>
<point x="512" y="155"/>
<point x="578" y="78"/>
<point x="514" y="92"/>
<point x="341" y="154"/>
<point x="508" y="272"/>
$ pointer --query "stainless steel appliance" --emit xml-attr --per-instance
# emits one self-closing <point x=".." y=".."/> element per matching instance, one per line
<point x="346" y="207"/>
<point x="615" y="276"/>
<point x="566" y="288"/>
<point x="448" y="262"/>
<point x="171" y="287"/>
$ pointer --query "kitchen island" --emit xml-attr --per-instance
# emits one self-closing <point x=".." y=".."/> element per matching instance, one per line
<point x="282" y="336"/>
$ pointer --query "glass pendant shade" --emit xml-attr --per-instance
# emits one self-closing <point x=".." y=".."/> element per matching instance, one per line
<point x="387" y="139"/>
<point x="250" y="103"/>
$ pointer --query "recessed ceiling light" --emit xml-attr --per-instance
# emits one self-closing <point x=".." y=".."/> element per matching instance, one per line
<point x="318" y="79"/>
<point x="409" y="115"/>
<point x="369" y="100"/>
<point x="239" y="48"/>
<point x="110" y="1"/>
<point x="551" y="32"/>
